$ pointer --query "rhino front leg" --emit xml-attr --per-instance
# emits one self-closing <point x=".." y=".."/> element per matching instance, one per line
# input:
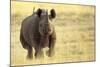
<point x="51" y="51"/>
<point x="39" y="52"/>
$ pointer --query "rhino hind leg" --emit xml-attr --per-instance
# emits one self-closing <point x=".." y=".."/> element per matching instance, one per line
<point x="30" y="53"/>
<point x="26" y="46"/>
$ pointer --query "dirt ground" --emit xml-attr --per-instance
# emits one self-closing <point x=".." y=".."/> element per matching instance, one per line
<point x="75" y="29"/>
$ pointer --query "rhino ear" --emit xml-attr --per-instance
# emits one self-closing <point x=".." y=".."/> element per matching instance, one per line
<point x="39" y="11"/>
<point x="52" y="13"/>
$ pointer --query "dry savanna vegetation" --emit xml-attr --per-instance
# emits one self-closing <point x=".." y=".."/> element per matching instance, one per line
<point x="75" y="29"/>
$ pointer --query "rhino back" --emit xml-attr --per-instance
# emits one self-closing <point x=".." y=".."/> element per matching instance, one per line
<point x="30" y="29"/>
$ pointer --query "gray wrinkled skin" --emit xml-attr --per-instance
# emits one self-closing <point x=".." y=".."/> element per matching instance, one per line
<point x="37" y="32"/>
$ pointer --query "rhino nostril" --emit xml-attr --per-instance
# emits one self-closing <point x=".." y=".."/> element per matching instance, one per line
<point x="49" y="29"/>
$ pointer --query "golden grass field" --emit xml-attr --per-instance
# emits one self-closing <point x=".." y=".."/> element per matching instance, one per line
<point x="75" y="29"/>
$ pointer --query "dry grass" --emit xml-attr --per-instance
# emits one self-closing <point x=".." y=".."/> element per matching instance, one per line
<point x="74" y="26"/>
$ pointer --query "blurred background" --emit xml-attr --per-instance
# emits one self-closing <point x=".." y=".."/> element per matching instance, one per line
<point x="75" y="29"/>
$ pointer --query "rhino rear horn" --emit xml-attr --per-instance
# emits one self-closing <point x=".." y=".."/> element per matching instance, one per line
<point x="34" y="10"/>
